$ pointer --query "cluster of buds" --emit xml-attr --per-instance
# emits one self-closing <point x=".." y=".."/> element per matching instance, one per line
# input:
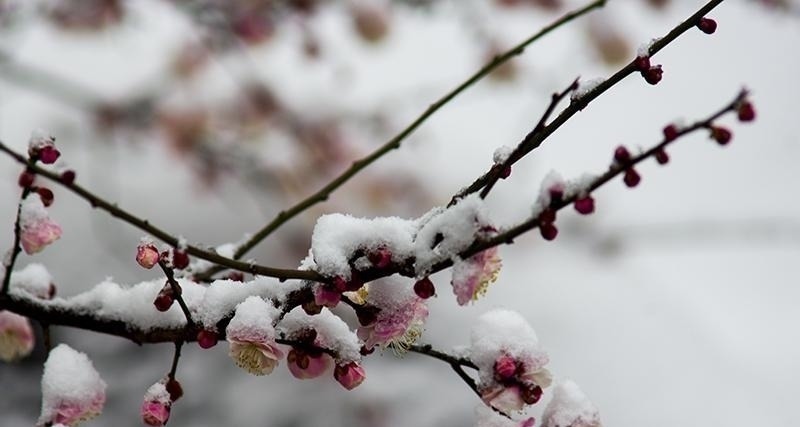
<point x="158" y="401"/>
<point x="515" y="383"/>
<point x="147" y="256"/>
<point x="651" y="73"/>
<point x="547" y="217"/>
<point x="622" y="157"/>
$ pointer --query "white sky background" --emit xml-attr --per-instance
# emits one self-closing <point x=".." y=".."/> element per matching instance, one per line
<point x="674" y="304"/>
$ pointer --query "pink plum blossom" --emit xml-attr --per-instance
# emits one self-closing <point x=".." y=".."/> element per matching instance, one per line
<point x="325" y="296"/>
<point x="304" y="365"/>
<point x="472" y="276"/>
<point x="37" y="230"/>
<point x="349" y="375"/>
<point x="147" y="255"/>
<point x="16" y="336"/>
<point x="156" y="405"/>
<point x="400" y="319"/>
<point x="72" y="390"/>
<point x="251" y="336"/>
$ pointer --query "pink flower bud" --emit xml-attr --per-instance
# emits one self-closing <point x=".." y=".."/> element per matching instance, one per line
<point x="548" y="231"/>
<point x="49" y="154"/>
<point x="381" y="257"/>
<point x="37" y="230"/>
<point x="585" y="205"/>
<point x="303" y="365"/>
<point x="349" y="375"/>
<point x="147" y="255"/>
<point x="180" y="259"/>
<point x="26" y="179"/>
<point x="670" y="132"/>
<point x="206" y="338"/>
<point x="653" y="75"/>
<point x="707" y="25"/>
<point x="661" y="156"/>
<point x="155" y="413"/>
<point x="505" y="367"/>
<point x="424" y="288"/>
<point x="746" y="112"/>
<point x="622" y="155"/>
<point x="632" y="178"/>
<point x="68" y="177"/>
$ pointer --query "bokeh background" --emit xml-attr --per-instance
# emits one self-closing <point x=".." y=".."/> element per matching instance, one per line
<point x="674" y="304"/>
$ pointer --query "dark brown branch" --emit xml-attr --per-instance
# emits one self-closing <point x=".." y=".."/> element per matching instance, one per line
<point x="176" y="356"/>
<point x="322" y="194"/>
<point x="428" y="350"/>
<point x="146" y="226"/>
<point x="536" y="137"/>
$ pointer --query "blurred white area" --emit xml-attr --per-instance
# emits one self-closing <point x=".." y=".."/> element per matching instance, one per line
<point x="674" y="304"/>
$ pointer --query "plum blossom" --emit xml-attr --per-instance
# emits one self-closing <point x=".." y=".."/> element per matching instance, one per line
<point x="400" y="319"/>
<point x="41" y="146"/>
<point x="147" y="254"/>
<point x="511" y="364"/>
<point x="72" y="390"/>
<point x="472" y="276"/>
<point x="156" y="405"/>
<point x="486" y="417"/>
<point x="37" y="230"/>
<point x="16" y="336"/>
<point x="570" y="407"/>
<point x="252" y="336"/>
<point x="350" y="375"/>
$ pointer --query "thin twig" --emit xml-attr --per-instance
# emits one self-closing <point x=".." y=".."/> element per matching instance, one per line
<point x="145" y="225"/>
<point x="16" y="249"/>
<point x="176" y="356"/>
<point x="428" y="350"/>
<point x="535" y="138"/>
<point x="322" y="194"/>
<point x="177" y="292"/>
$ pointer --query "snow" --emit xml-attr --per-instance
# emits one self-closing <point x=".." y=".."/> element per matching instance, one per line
<point x="254" y="315"/>
<point x="502" y="331"/>
<point x="552" y="181"/>
<point x="32" y="210"/>
<point x="337" y="237"/>
<point x="457" y="227"/>
<point x="33" y="279"/>
<point x="157" y="393"/>
<point x="69" y="378"/>
<point x="332" y="332"/>
<point x="40" y="138"/>
<point x="502" y="153"/>
<point x="570" y="407"/>
<point x="644" y="49"/>
<point x="584" y="88"/>
<point x="485" y="417"/>
<point x="222" y="296"/>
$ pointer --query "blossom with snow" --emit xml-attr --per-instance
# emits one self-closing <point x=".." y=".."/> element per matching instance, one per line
<point x="472" y="276"/>
<point x="570" y="407"/>
<point x="72" y="390"/>
<point x="16" y="336"/>
<point x="37" y="230"/>
<point x="41" y="146"/>
<point x="156" y="405"/>
<point x="400" y="319"/>
<point x="350" y="375"/>
<point x="251" y="336"/>
<point x="510" y="363"/>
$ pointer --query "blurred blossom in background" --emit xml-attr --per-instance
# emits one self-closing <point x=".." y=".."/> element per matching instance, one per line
<point x="674" y="304"/>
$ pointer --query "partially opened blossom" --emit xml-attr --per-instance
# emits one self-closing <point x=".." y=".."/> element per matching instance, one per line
<point x="511" y="365"/>
<point x="400" y="319"/>
<point x="307" y="365"/>
<point x="349" y="375"/>
<point x="147" y="254"/>
<point x="570" y="408"/>
<point x="72" y="390"/>
<point x="472" y="276"/>
<point x="156" y="405"/>
<point x="16" y="336"/>
<point x="37" y="230"/>
<point x="251" y="336"/>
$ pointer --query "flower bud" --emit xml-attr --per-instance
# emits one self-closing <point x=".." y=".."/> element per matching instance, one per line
<point x="349" y="375"/>
<point x="585" y="205"/>
<point x="46" y="195"/>
<point x="721" y="135"/>
<point x="548" y="231"/>
<point x="653" y="75"/>
<point x="147" y="255"/>
<point x="26" y="179"/>
<point x="381" y="257"/>
<point x="424" y="288"/>
<point x="632" y="178"/>
<point x="180" y="259"/>
<point x="661" y="156"/>
<point x="746" y="112"/>
<point x="707" y="25"/>
<point x="68" y="176"/>
<point x="207" y="339"/>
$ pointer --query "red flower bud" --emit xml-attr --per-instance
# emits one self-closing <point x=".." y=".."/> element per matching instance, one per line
<point x="642" y="63"/>
<point x="46" y="195"/>
<point x="707" y="25"/>
<point x="670" y="132"/>
<point x="746" y="112"/>
<point x="632" y="178"/>
<point x="381" y="257"/>
<point x="621" y="154"/>
<point x="164" y="299"/>
<point x="48" y="154"/>
<point x="174" y="389"/>
<point x="207" y="339"/>
<point x="68" y="177"/>
<point x="548" y="231"/>
<point x="424" y="288"/>
<point x="661" y="156"/>
<point x="180" y="259"/>
<point x="548" y="216"/>
<point x="721" y="135"/>
<point x="653" y="75"/>
<point x="26" y="179"/>
<point x="585" y="205"/>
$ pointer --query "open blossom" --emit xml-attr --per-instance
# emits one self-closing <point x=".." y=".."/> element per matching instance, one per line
<point x="350" y="375"/>
<point x="72" y="390"/>
<point x="251" y="336"/>
<point x="37" y="230"/>
<point x="570" y="408"/>
<point x="306" y="365"/>
<point x="472" y="276"/>
<point x="156" y="406"/>
<point x="16" y="336"/>
<point x="400" y="319"/>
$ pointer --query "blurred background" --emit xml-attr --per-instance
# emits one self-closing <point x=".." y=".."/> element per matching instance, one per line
<point x="674" y="304"/>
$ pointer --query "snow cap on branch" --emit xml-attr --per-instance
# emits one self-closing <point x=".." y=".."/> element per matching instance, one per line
<point x="72" y="390"/>
<point x="332" y="333"/>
